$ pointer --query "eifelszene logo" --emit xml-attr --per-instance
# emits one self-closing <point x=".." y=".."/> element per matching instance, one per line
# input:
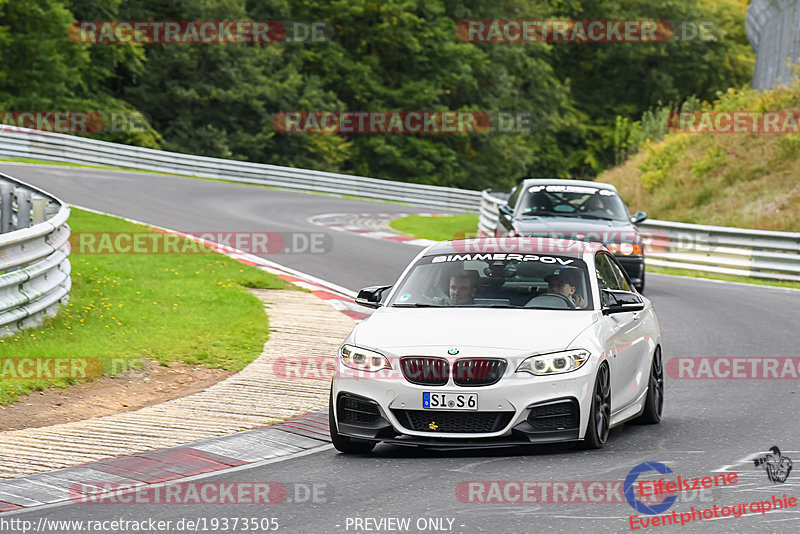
<point x="775" y="464"/>
<point x="629" y="488"/>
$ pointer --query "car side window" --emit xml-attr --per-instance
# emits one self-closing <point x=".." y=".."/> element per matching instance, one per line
<point x="512" y="198"/>
<point x="606" y="279"/>
<point x="623" y="282"/>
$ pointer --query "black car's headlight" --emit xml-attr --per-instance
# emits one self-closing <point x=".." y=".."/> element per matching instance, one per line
<point x="554" y="363"/>
<point x="363" y="359"/>
<point x="626" y="249"/>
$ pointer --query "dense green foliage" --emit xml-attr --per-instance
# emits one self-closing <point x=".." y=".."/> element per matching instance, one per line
<point x="219" y="99"/>
<point x="745" y="179"/>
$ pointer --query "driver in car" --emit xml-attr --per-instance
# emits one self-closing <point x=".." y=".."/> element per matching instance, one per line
<point x="462" y="289"/>
<point x="596" y="205"/>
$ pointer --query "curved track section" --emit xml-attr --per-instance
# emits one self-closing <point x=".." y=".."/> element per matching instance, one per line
<point x="195" y="205"/>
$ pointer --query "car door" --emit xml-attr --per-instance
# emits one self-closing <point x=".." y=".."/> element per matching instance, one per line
<point x="623" y="341"/>
<point x="636" y="336"/>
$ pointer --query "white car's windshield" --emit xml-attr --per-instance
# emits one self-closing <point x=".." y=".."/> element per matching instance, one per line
<point x="573" y="201"/>
<point x="496" y="281"/>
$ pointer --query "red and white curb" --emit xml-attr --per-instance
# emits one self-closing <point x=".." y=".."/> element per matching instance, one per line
<point x="371" y="225"/>
<point x="304" y="434"/>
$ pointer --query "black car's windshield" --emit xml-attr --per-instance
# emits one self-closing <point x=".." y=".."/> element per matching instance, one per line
<point x="572" y="201"/>
<point x="494" y="280"/>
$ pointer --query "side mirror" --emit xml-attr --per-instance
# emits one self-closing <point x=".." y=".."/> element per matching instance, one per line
<point x="639" y="217"/>
<point x="371" y="296"/>
<point x="617" y="301"/>
<point x="506" y="210"/>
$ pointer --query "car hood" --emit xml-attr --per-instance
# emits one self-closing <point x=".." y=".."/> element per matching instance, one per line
<point x="570" y="225"/>
<point x="401" y="330"/>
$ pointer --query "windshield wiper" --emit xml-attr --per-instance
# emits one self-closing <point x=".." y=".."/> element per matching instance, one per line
<point x="548" y="308"/>
<point x="589" y="216"/>
<point x="551" y="213"/>
<point x="417" y="305"/>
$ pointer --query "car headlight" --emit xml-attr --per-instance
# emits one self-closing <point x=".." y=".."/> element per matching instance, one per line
<point x="626" y="249"/>
<point x="363" y="359"/>
<point x="554" y="363"/>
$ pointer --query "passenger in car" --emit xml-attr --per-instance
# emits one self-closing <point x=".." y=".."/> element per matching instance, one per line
<point x="566" y="283"/>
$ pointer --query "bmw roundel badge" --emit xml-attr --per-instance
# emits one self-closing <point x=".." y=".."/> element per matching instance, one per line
<point x="452" y="351"/>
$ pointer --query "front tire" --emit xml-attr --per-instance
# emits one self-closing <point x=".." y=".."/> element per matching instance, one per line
<point x="654" y="405"/>
<point x="344" y="444"/>
<point x="600" y="415"/>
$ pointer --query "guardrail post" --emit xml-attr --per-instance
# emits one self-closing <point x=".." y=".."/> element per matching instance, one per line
<point x="51" y="209"/>
<point x="23" y="209"/>
<point x="6" y="200"/>
<point x="39" y="205"/>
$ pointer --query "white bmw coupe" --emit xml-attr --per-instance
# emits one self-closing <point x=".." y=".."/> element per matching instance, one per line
<point x="495" y="342"/>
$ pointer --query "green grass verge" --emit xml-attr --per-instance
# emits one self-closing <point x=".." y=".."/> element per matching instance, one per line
<point x="442" y="228"/>
<point x="81" y="165"/>
<point x="723" y="277"/>
<point x="191" y="308"/>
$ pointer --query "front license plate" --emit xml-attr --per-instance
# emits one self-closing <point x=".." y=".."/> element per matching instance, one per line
<point x="449" y="401"/>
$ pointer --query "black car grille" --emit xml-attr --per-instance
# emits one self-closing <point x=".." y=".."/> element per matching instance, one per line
<point x="353" y="409"/>
<point x="557" y="415"/>
<point x="425" y="371"/>
<point x="478" y="371"/>
<point x="453" y="422"/>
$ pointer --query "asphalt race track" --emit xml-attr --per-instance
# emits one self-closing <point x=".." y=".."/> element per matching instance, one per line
<point x="192" y="205"/>
<point x="708" y="425"/>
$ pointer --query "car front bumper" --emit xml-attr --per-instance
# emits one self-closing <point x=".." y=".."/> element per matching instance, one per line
<point x="519" y="409"/>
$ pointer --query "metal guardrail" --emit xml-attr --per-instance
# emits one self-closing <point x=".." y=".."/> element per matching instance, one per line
<point x="25" y="143"/>
<point x="34" y="255"/>
<point x="488" y="213"/>
<point x="714" y="249"/>
<point x="709" y="249"/>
